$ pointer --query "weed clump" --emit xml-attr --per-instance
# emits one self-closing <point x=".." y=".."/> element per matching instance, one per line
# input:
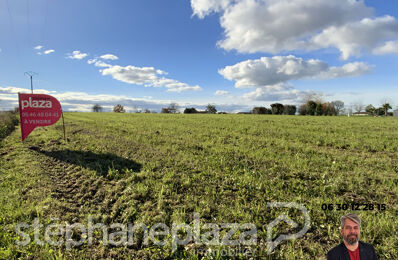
<point x="8" y="121"/>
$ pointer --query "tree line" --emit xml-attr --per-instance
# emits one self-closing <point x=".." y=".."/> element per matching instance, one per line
<point x="317" y="108"/>
<point x="310" y="107"/>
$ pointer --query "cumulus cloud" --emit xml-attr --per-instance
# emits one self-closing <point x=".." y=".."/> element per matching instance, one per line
<point x="38" y="47"/>
<point x="77" y="55"/>
<point x="109" y="57"/>
<point x="48" y="51"/>
<point x="147" y="76"/>
<point x="389" y="47"/>
<point x="348" y="70"/>
<point x="270" y="75"/>
<point x="280" y="69"/>
<point x="352" y="38"/>
<point x="274" y="26"/>
<point x="221" y="93"/>
<point x="131" y="74"/>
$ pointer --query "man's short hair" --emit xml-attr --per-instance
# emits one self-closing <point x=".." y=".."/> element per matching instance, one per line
<point x="352" y="217"/>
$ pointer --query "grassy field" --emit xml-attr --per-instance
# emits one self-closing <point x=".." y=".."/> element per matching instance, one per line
<point x="150" y="168"/>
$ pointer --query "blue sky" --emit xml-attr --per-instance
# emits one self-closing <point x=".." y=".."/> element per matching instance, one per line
<point x="235" y="54"/>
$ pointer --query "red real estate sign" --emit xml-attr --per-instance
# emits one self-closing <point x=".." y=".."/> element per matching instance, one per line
<point x="37" y="110"/>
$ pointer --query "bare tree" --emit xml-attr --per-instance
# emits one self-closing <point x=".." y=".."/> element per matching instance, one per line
<point x="173" y="108"/>
<point x="358" y="106"/>
<point x="119" y="109"/>
<point x="317" y="97"/>
<point x="338" y="106"/>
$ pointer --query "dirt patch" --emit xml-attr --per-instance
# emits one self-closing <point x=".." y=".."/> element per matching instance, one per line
<point x="77" y="191"/>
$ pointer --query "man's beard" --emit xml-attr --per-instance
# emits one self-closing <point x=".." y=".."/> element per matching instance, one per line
<point x="351" y="239"/>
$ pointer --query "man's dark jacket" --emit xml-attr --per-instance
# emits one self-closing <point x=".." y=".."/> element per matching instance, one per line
<point x="366" y="252"/>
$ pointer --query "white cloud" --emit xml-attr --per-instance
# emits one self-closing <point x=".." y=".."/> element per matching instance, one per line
<point x="48" y="51"/>
<point x="274" y="26"/>
<point x="82" y="101"/>
<point x="201" y="8"/>
<point x="354" y="37"/>
<point x="270" y="76"/>
<point x="173" y="85"/>
<point x="279" y="92"/>
<point x="389" y="47"/>
<point x="16" y="90"/>
<point x="280" y="69"/>
<point x="102" y="64"/>
<point x="147" y="76"/>
<point x="77" y="55"/>
<point x="131" y="74"/>
<point x="221" y="93"/>
<point x="98" y="63"/>
<point x="109" y="57"/>
<point x="348" y="70"/>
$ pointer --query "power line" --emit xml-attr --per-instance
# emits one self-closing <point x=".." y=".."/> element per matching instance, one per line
<point x="31" y="74"/>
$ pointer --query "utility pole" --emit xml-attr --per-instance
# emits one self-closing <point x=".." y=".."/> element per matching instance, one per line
<point x="31" y="74"/>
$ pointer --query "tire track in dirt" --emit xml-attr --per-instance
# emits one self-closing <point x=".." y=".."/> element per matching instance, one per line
<point x="77" y="192"/>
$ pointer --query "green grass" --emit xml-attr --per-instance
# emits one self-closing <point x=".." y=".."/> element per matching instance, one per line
<point x="151" y="168"/>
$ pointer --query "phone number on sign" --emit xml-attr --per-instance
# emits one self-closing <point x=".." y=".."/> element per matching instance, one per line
<point x="354" y="206"/>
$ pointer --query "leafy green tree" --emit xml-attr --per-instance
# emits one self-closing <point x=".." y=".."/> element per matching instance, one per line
<point x="289" y="110"/>
<point x="329" y="109"/>
<point x="277" y="108"/>
<point x="191" y="110"/>
<point x="259" y="110"/>
<point x="302" y="110"/>
<point x="311" y="107"/>
<point x="165" y="110"/>
<point x="318" y="109"/>
<point x="386" y="106"/>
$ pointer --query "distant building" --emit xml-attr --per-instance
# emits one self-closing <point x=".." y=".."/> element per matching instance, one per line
<point x="396" y="113"/>
<point x="360" y="114"/>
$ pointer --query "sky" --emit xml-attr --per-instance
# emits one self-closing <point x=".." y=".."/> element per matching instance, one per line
<point x="235" y="54"/>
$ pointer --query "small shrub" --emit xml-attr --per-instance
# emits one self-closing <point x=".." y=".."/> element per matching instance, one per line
<point x="8" y="121"/>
